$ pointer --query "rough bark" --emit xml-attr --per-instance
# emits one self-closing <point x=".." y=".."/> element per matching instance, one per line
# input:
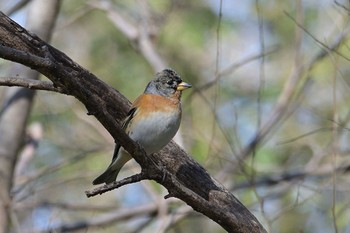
<point x="17" y="105"/>
<point x="172" y="167"/>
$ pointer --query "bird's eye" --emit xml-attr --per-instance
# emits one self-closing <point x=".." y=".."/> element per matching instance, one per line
<point x="170" y="82"/>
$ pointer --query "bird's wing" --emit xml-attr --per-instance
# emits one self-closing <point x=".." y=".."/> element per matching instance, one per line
<point x="124" y="127"/>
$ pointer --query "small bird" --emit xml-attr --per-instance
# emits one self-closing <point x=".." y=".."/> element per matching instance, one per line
<point x="152" y="121"/>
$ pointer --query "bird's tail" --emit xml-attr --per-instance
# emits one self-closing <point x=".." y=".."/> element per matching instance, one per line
<point x="111" y="173"/>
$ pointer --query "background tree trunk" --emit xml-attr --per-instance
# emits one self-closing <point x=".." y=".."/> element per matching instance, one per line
<point x="16" y="107"/>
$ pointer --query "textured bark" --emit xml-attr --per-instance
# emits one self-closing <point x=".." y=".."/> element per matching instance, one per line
<point x="172" y="167"/>
<point x="17" y="105"/>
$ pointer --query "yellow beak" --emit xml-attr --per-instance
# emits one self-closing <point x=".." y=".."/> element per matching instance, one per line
<point x="182" y="86"/>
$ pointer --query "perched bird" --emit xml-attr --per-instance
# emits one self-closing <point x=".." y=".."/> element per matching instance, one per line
<point x="153" y="120"/>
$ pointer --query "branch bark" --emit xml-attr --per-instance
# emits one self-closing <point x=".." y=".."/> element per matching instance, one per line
<point x="171" y="167"/>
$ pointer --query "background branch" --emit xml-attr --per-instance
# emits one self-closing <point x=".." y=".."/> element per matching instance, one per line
<point x="17" y="104"/>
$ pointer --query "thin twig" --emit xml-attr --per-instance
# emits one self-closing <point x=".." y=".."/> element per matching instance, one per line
<point x="30" y="83"/>
<point x="233" y="67"/>
<point x="328" y="48"/>
<point x="117" y="184"/>
<point x="290" y="176"/>
<point x="104" y="220"/>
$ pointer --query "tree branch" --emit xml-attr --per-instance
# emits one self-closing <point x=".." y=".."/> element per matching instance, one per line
<point x="19" y="56"/>
<point x="174" y="169"/>
<point x="109" y="218"/>
<point x="117" y="184"/>
<point x="31" y="84"/>
<point x="290" y="176"/>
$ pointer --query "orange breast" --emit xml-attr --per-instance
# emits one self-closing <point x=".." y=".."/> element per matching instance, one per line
<point x="149" y="103"/>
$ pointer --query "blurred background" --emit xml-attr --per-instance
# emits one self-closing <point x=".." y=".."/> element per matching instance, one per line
<point x="267" y="116"/>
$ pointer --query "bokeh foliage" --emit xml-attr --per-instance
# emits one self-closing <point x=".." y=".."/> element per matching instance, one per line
<point x="221" y="114"/>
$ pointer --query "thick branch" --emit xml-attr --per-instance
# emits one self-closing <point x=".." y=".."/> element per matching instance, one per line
<point x="175" y="170"/>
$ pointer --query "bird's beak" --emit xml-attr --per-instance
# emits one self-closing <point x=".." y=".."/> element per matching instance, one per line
<point x="182" y="86"/>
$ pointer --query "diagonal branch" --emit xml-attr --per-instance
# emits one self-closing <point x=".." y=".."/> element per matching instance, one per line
<point x="140" y="37"/>
<point x="290" y="176"/>
<point x="172" y="167"/>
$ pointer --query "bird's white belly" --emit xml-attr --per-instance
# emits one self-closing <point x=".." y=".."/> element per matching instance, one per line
<point x="155" y="131"/>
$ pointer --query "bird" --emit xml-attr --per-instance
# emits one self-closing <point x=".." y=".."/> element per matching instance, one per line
<point x="153" y="120"/>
